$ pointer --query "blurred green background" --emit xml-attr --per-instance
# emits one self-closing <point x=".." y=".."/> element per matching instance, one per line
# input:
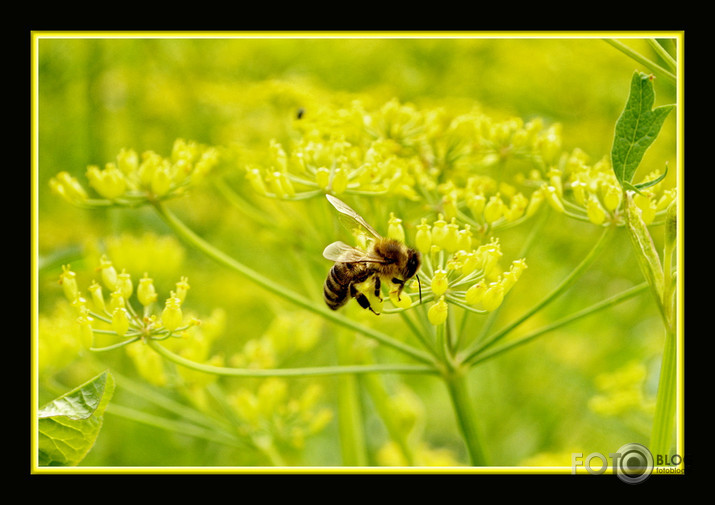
<point x="98" y="95"/>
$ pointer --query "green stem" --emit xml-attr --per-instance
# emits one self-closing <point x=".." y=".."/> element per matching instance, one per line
<point x="458" y="387"/>
<point x="140" y="389"/>
<point x="287" y="372"/>
<point x="174" y="426"/>
<point x="604" y="304"/>
<point x="664" y="55"/>
<point x="419" y="334"/>
<point x="350" y="422"/>
<point x="670" y="254"/>
<point x="194" y="240"/>
<point x="652" y="66"/>
<point x="445" y="356"/>
<point x="113" y="346"/>
<point x="243" y="206"/>
<point x="451" y="335"/>
<point x="664" y="420"/>
<point x="659" y="277"/>
<point x="665" y="408"/>
<point x="351" y="435"/>
<point x="479" y="346"/>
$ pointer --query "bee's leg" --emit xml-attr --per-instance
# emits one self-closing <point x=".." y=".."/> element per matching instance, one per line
<point x="400" y="286"/>
<point x="377" y="288"/>
<point x="361" y="299"/>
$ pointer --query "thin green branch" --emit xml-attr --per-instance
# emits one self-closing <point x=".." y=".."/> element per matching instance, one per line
<point x="194" y="240"/>
<point x="240" y="203"/>
<point x="479" y="346"/>
<point x="159" y="398"/>
<point x="451" y="337"/>
<point x="419" y="334"/>
<point x="603" y="304"/>
<point x="657" y="70"/>
<point x="113" y="346"/>
<point x="664" y="55"/>
<point x="535" y="232"/>
<point x="288" y="372"/>
<point x="442" y="343"/>
<point x="454" y="300"/>
<point x="353" y="446"/>
<point x="174" y="426"/>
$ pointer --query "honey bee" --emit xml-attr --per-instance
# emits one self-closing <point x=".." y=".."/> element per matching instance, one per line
<point x="387" y="260"/>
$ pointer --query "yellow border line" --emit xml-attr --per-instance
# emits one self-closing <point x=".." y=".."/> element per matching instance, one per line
<point x="36" y="36"/>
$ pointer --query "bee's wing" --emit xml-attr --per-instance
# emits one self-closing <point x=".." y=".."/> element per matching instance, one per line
<point x="344" y="253"/>
<point x="350" y="218"/>
<point x="336" y="250"/>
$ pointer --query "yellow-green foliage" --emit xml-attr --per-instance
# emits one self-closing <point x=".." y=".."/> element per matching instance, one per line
<point x="460" y="147"/>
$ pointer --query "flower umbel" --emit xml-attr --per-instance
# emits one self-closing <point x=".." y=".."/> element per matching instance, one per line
<point x="459" y="271"/>
<point x="274" y="416"/>
<point x="116" y="316"/>
<point x="134" y="179"/>
<point x="591" y="192"/>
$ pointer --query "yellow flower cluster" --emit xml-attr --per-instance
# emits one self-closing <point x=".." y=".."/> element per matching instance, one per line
<point x="456" y="268"/>
<point x="621" y="391"/>
<point x="591" y="191"/>
<point x="115" y="316"/>
<point x="488" y="173"/>
<point x="460" y="270"/>
<point x="290" y="333"/>
<point x="487" y="205"/>
<point x="274" y="416"/>
<point x="133" y="179"/>
<point x="335" y="165"/>
<point x="400" y="150"/>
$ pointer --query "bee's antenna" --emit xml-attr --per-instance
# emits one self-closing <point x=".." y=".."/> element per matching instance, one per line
<point x="419" y="287"/>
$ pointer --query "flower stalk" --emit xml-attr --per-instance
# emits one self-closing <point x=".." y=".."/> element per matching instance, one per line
<point x="286" y="372"/>
<point x="457" y="383"/>
<point x="662" y="437"/>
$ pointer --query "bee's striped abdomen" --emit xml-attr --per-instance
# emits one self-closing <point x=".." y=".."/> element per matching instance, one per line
<point x="336" y="289"/>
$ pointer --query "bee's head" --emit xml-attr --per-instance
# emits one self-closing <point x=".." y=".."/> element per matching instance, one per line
<point x="412" y="264"/>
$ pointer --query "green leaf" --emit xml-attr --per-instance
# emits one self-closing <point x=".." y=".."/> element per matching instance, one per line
<point x="636" y="128"/>
<point x="648" y="184"/>
<point x="69" y="425"/>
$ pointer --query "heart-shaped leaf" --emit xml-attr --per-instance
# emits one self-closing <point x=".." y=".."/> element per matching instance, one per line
<point x="69" y="425"/>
